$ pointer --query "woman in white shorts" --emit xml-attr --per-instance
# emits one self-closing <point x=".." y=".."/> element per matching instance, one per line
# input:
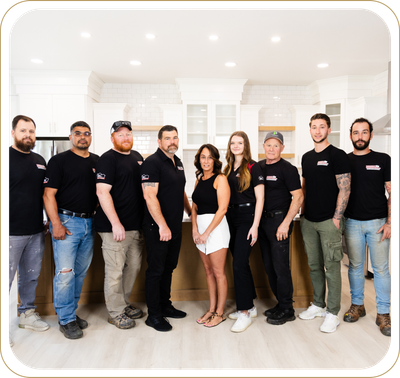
<point x="210" y="228"/>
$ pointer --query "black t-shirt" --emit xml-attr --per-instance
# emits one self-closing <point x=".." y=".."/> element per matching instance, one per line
<point x="122" y="172"/>
<point x="368" y="176"/>
<point x="27" y="172"/>
<point x="74" y="178"/>
<point x="281" y="178"/>
<point x="320" y="170"/>
<point x="171" y="189"/>
<point x="248" y="195"/>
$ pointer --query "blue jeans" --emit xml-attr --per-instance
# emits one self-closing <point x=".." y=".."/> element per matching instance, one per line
<point x="358" y="234"/>
<point x="26" y="253"/>
<point x="72" y="258"/>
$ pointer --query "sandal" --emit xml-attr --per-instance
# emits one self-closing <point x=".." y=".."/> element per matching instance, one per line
<point x="201" y="320"/>
<point x="221" y="316"/>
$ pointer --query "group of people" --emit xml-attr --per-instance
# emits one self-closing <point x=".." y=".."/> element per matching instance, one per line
<point x="130" y="201"/>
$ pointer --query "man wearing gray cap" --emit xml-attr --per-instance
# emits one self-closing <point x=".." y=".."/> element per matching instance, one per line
<point x="118" y="221"/>
<point x="283" y="198"/>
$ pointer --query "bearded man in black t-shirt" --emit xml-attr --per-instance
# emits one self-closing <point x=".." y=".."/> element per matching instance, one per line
<point x="119" y="223"/>
<point x="368" y="221"/>
<point x="27" y="170"/>
<point x="326" y="189"/>
<point x="70" y="201"/>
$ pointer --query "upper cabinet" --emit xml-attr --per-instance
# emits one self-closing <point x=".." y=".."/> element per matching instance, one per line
<point x="211" y="110"/>
<point x="55" y="100"/>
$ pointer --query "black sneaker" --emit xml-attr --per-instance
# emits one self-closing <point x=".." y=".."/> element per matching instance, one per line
<point x="172" y="312"/>
<point x="281" y="316"/>
<point x="82" y="324"/>
<point x="71" y="330"/>
<point x="158" y="323"/>
<point x="271" y="311"/>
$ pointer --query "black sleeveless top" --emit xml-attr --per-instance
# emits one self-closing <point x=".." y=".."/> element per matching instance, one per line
<point x="205" y="196"/>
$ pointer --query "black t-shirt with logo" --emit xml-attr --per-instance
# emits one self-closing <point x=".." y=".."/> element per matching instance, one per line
<point x="27" y="172"/>
<point x="159" y="168"/>
<point x="74" y="178"/>
<point x="281" y="178"/>
<point x="320" y="170"/>
<point x="368" y="176"/>
<point x="122" y="172"/>
<point x="247" y="196"/>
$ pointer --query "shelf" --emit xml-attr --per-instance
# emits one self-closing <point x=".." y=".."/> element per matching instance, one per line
<point x="146" y="128"/>
<point x="276" y="128"/>
<point x="284" y="156"/>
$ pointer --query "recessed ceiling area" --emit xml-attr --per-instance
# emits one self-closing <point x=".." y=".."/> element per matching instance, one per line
<point x="351" y="42"/>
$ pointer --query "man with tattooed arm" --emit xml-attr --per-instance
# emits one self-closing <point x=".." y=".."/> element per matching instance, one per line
<point x="368" y="220"/>
<point x="326" y="189"/>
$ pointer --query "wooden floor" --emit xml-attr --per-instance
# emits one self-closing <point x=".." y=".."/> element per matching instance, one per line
<point x="295" y="345"/>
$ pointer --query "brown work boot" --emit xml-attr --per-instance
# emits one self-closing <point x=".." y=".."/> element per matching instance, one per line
<point x="354" y="312"/>
<point x="384" y="323"/>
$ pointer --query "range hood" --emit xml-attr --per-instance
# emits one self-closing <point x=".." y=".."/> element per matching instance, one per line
<point x="383" y="124"/>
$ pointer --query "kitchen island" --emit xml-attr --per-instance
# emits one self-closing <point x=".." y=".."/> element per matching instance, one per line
<point x="188" y="280"/>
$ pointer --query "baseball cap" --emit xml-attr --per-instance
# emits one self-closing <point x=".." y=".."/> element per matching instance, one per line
<point x="116" y="125"/>
<point x="274" y="134"/>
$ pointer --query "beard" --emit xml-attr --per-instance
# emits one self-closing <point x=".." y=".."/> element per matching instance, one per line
<point x="25" y="145"/>
<point x="82" y="146"/>
<point x="363" y="146"/>
<point x="123" y="147"/>
<point x="320" y="141"/>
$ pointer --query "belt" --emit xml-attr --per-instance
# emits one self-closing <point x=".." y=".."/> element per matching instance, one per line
<point x="78" y="215"/>
<point x="271" y="214"/>
<point x="242" y="205"/>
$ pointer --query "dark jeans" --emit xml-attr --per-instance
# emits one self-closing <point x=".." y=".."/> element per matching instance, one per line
<point x="240" y="220"/>
<point x="275" y="255"/>
<point x="162" y="259"/>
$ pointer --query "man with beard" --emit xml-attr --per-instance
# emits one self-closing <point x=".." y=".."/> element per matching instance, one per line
<point x="119" y="222"/>
<point x="368" y="220"/>
<point x="163" y="182"/>
<point x="27" y="171"/>
<point x="326" y="189"/>
<point x="70" y="201"/>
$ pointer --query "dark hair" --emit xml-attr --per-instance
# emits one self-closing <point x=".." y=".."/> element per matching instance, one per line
<point x="166" y="128"/>
<point x="79" y="123"/>
<point x="360" y="120"/>
<point x="214" y="155"/>
<point x="321" y="116"/>
<point x="24" y="118"/>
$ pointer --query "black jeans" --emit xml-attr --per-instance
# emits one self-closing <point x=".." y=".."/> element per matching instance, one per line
<point x="240" y="220"/>
<point x="275" y="255"/>
<point x="162" y="259"/>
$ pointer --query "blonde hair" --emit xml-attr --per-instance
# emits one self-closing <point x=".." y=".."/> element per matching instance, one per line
<point x="244" y="172"/>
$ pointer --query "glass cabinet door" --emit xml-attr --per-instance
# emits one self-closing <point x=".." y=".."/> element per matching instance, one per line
<point x="225" y="123"/>
<point x="197" y="124"/>
<point x="333" y="111"/>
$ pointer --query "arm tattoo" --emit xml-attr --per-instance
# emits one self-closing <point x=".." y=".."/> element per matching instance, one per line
<point x="149" y="184"/>
<point x="388" y="186"/>
<point x="343" y="182"/>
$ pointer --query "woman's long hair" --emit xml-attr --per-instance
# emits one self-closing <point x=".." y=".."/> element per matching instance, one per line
<point x="244" y="173"/>
<point x="214" y="155"/>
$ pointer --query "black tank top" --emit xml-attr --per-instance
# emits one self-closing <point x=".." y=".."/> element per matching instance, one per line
<point x="205" y="196"/>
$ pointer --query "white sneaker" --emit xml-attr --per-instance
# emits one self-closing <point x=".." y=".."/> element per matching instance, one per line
<point x="312" y="312"/>
<point x="330" y="323"/>
<point x="242" y="323"/>
<point x="31" y="320"/>
<point x="235" y="315"/>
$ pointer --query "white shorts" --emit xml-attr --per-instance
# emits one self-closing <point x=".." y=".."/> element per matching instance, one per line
<point x="219" y="237"/>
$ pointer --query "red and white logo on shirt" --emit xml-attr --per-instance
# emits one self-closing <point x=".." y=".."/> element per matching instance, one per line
<point x="323" y="162"/>
<point x="101" y="176"/>
<point x="46" y="180"/>
<point x="41" y="166"/>
<point x="145" y="177"/>
<point x="271" y="178"/>
<point x="180" y="168"/>
<point x="372" y="167"/>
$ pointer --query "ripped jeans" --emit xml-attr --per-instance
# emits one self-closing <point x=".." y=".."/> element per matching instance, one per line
<point x="72" y="258"/>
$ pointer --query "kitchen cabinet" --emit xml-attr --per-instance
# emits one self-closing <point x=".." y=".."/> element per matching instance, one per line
<point x="334" y="112"/>
<point x="53" y="114"/>
<point x="209" y="122"/>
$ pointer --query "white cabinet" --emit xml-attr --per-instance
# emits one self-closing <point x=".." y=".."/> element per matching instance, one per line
<point x="210" y="122"/>
<point x="53" y="114"/>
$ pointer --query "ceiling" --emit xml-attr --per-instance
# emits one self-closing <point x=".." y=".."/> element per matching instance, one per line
<point x="353" y="42"/>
